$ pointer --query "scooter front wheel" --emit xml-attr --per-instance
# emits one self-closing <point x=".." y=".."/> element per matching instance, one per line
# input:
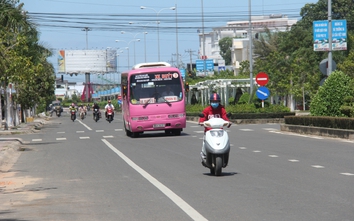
<point x="218" y="165"/>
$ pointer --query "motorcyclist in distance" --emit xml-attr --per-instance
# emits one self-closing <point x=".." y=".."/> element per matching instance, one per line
<point x="72" y="107"/>
<point x="106" y="108"/>
<point x="95" y="106"/>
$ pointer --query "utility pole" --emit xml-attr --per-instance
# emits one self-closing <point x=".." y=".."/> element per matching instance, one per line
<point x="87" y="75"/>
<point x="190" y="58"/>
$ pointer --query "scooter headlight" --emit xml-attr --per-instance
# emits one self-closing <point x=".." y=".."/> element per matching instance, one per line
<point x="217" y="133"/>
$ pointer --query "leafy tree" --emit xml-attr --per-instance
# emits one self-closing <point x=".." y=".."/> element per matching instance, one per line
<point x="23" y="59"/>
<point x="225" y="44"/>
<point x="330" y="96"/>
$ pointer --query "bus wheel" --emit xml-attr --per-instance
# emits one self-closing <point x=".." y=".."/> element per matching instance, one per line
<point x="177" y="132"/>
<point x="127" y="132"/>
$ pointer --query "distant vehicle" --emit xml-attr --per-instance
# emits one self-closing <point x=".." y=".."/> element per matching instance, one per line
<point x="56" y="107"/>
<point x="153" y="99"/>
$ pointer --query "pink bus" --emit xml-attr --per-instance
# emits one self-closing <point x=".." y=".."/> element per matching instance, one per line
<point x="153" y="99"/>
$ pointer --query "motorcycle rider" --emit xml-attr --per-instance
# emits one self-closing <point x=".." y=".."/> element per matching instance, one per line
<point x="109" y="104"/>
<point x="72" y="107"/>
<point x="214" y="110"/>
<point x="95" y="106"/>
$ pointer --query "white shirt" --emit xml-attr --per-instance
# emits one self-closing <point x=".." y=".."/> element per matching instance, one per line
<point x="109" y="105"/>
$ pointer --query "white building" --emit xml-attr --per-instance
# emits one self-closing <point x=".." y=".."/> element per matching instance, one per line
<point x="239" y="31"/>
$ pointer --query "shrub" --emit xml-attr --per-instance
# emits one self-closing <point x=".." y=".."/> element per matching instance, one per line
<point x="330" y="96"/>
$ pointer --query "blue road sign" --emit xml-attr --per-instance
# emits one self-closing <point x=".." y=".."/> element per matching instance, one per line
<point x="183" y="73"/>
<point x="262" y="93"/>
<point x="209" y="65"/>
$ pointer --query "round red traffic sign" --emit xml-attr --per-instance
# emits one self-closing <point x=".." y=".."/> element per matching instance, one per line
<point x="262" y="78"/>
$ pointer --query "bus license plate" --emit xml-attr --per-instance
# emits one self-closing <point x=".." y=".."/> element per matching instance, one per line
<point x="159" y="125"/>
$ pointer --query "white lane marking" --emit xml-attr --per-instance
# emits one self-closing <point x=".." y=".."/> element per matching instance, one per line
<point x="89" y="128"/>
<point x="110" y="136"/>
<point x="36" y="140"/>
<point x="243" y="148"/>
<point x="81" y="131"/>
<point x="60" y="132"/>
<point x="274" y="156"/>
<point x="194" y="136"/>
<point x="276" y="132"/>
<point x="269" y="129"/>
<point x="318" y="138"/>
<point x="164" y="189"/>
<point x="118" y="129"/>
<point x="84" y="138"/>
<point x="293" y="160"/>
<point x="246" y="130"/>
<point x="347" y="174"/>
<point x="257" y="151"/>
<point x="99" y="131"/>
<point x="317" y="166"/>
<point x="199" y="131"/>
<point x="62" y="138"/>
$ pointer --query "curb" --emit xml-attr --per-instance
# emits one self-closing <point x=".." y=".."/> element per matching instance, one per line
<point x="25" y="128"/>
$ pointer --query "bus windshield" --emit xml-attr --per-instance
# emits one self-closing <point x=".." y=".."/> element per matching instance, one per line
<point x="160" y="87"/>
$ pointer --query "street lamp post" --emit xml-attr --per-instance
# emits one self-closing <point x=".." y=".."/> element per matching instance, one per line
<point x="145" y="33"/>
<point x="87" y="74"/>
<point x="157" y="25"/>
<point x="134" y="37"/>
<point x="128" y="43"/>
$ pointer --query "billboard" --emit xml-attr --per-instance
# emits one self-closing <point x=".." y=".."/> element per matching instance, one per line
<point x="87" y="61"/>
<point x="321" y="35"/>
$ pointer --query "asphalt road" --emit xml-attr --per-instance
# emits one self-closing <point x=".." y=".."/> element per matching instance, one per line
<point x="85" y="170"/>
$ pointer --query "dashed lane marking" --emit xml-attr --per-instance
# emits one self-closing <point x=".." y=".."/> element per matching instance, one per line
<point x="99" y="131"/>
<point x="317" y="166"/>
<point x="242" y="148"/>
<point x="199" y="131"/>
<point x="273" y="156"/>
<point x="257" y="151"/>
<point x="81" y="131"/>
<point x="110" y="136"/>
<point x="62" y="132"/>
<point x="84" y="138"/>
<point x="62" y="138"/>
<point x="347" y="174"/>
<point x="293" y="160"/>
<point x="118" y="129"/>
<point x="246" y="129"/>
<point x="269" y="128"/>
<point x="36" y="140"/>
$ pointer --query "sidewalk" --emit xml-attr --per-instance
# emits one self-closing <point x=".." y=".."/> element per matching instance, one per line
<point x="10" y="145"/>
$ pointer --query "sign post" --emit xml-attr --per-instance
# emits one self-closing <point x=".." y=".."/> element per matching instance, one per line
<point x="262" y="92"/>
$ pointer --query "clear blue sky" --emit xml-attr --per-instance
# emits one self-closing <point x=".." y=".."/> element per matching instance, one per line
<point x="60" y="23"/>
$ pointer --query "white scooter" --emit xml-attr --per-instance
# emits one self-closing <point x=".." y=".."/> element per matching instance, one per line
<point x="217" y="145"/>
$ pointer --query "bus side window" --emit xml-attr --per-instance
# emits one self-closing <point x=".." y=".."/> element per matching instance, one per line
<point x="125" y="91"/>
